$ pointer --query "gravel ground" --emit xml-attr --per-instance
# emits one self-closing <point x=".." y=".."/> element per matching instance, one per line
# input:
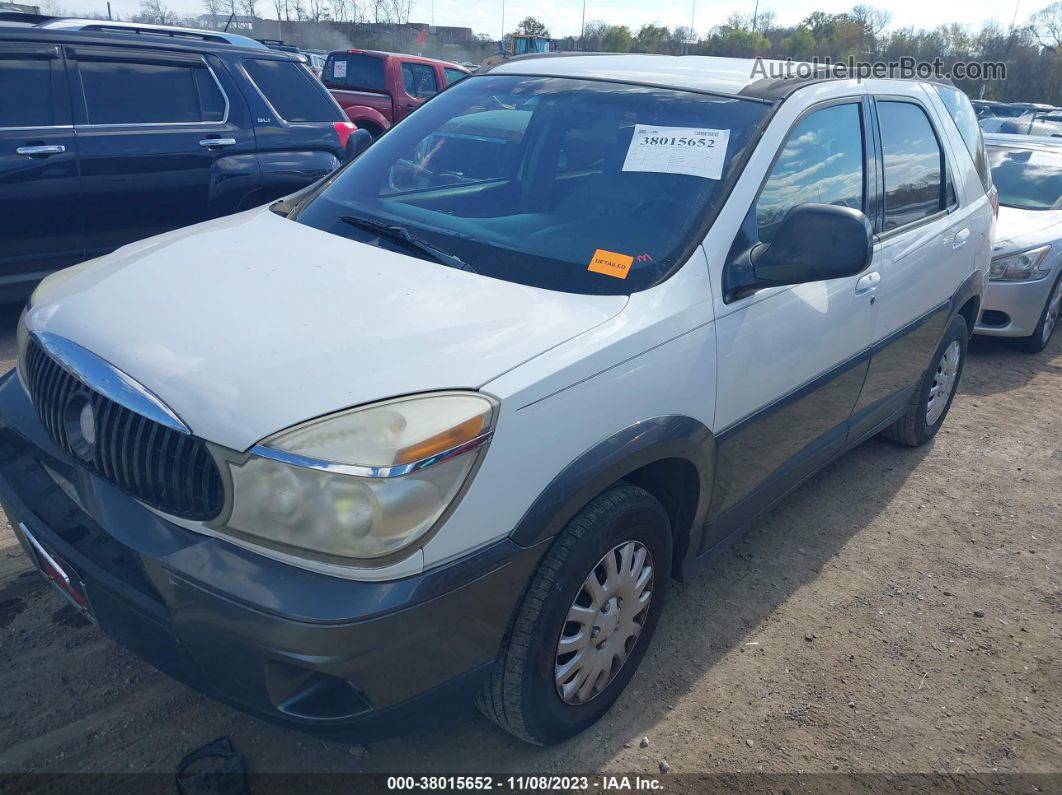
<point x="901" y="612"/>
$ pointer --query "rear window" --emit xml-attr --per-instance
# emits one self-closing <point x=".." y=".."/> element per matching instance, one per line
<point x="965" y="118"/>
<point x="354" y="71"/>
<point x="292" y="91"/>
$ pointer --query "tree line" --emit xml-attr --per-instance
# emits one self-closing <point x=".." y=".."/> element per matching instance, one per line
<point x="1031" y="51"/>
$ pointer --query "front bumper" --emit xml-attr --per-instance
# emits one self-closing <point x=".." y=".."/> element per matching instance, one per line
<point x="352" y="658"/>
<point x="1013" y="309"/>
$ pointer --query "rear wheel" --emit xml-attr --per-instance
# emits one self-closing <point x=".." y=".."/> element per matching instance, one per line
<point x="931" y="401"/>
<point x="586" y="620"/>
<point x="1038" y="340"/>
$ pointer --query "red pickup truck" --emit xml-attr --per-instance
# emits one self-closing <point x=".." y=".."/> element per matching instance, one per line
<point x="378" y="89"/>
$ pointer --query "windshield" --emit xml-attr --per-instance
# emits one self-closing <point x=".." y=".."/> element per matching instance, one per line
<point x="572" y="185"/>
<point x="1029" y="179"/>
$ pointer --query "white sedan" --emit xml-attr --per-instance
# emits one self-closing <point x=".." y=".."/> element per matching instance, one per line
<point x="1025" y="290"/>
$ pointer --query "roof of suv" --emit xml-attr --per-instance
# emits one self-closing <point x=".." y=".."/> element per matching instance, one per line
<point x="735" y="76"/>
<point x="31" y="23"/>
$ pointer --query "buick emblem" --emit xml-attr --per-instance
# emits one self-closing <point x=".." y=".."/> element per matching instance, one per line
<point x="79" y="422"/>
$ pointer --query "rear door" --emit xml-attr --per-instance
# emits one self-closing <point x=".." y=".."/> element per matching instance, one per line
<point x="927" y="245"/>
<point x="40" y="222"/>
<point x="158" y="145"/>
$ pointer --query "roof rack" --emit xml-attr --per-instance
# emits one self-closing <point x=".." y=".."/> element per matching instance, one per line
<point x="112" y="26"/>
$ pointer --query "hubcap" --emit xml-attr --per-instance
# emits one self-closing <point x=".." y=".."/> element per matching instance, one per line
<point x="604" y="622"/>
<point x="943" y="382"/>
<point x="1054" y="306"/>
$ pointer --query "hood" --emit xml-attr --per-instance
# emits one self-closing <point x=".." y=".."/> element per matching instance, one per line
<point x="1018" y="228"/>
<point x="249" y="324"/>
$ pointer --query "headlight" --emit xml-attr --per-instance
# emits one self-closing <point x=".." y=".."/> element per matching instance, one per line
<point x="363" y="483"/>
<point x="1021" y="267"/>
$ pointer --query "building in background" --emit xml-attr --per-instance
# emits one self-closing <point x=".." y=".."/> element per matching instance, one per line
<point x="5" y="6"/>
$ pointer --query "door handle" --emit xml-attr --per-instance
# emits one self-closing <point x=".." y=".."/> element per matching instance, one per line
<point x="960" y="238"/>
<point x="867" y="282"/>
<point x="208" y="142"/>
<point x="31" y="151"/>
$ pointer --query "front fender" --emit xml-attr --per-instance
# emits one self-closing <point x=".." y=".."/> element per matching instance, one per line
<point x="614" y="458"/>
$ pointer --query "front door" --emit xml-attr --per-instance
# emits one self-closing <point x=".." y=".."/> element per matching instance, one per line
<point x="793" y="359"/>
<point x="40" y="223"/>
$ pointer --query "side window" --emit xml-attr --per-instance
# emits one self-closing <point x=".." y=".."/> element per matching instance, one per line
<point x="822" y="162"/>
<point x="912" y="160"/>
<point x="419" y="80"/>
<point x="965" y="118"/>
<point x="128" y="92"/>
<point x="292" y="91"/>
<point x="453" y="75"/>
<point x="26" y="88"/>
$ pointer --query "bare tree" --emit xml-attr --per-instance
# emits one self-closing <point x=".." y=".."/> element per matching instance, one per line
<point x="154" y="12"/>
<point x="250" y="8"/>
<point x="214" y="10"/>
<point x="1046" y="27"/>
<point x="874" y="19"/>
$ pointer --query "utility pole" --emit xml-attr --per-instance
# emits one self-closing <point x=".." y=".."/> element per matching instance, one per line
<point x="109" y="9"/>
<point x="755" y="14"/>
<point x="693" y="16"/>
<point x="503" y="19"/>
<point x="582" y="25"/>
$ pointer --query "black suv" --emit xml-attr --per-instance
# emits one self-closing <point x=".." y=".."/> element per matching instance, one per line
<point x="112" y="132"/>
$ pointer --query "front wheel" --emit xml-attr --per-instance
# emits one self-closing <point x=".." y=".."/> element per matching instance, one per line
<point x="1038" y="340"/>
<point x="586" y="619"/>
<point x="931" y="401"/>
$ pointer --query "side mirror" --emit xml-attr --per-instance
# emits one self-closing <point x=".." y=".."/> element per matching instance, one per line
<point x="814" y="242"/>
<point x="358" y="142"/>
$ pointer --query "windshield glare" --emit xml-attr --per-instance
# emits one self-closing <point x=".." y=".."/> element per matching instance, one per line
<point x="542" y="181"/>
<point x="1029" y="179"/>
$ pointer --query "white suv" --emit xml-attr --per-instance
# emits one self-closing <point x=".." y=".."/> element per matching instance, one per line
<point x="448" y="421"/>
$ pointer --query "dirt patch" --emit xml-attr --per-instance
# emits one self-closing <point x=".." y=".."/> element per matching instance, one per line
<point x="901" y="612"/>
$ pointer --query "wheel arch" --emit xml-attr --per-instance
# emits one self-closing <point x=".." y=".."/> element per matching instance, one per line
<point x="669" y="456"/>
<point x="967" y="300"/>
<point x="367" y="118"/>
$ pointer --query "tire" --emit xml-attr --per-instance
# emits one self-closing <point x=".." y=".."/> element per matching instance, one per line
<point x="922" y="420"/>
<point x="522" y="695"/>
<point x="1049" y="318"/>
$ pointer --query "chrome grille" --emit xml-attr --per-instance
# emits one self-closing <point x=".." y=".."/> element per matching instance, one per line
<point x="169" y="470"/>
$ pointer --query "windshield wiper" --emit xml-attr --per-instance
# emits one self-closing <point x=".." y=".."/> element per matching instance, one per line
<point x="402" y="236"/>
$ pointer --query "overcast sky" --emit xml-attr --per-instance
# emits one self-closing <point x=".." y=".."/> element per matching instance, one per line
<point x="563" y="16"/>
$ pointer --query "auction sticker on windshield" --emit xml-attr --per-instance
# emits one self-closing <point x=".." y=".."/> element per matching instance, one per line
<point x="677" y="150"/>
<point x="610" y="263"/>
<point x="339" y="69"/>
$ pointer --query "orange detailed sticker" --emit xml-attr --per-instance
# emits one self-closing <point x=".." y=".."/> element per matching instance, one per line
<point x="610" y="263"/>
